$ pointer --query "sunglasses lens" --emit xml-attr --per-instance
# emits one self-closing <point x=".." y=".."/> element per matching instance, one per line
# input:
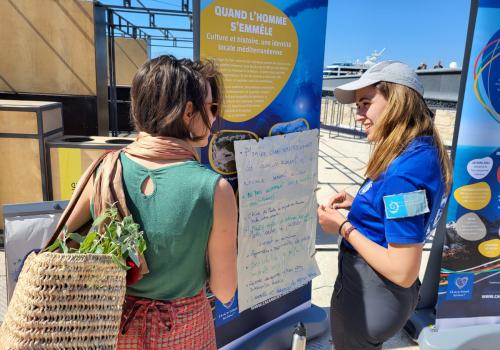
<point x="214" y="109"/>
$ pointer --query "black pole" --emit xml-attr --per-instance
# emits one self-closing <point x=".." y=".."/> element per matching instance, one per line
<point x="112" y="75"/>
<point x="196" y="29"/>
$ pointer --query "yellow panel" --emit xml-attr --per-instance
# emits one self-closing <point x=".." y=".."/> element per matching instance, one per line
<point x="70" y="170"/>
<point x="52" y="119"/>
<point x="47" y="47"/>
<point x="67" y="164"/>
<point x="255" y="66"/>
<point x="18" y="122"/>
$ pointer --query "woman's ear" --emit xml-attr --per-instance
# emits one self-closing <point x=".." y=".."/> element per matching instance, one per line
<point x="188" y="113"/>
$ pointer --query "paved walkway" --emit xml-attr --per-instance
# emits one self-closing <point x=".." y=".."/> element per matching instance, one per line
<point x="341" y="163"/>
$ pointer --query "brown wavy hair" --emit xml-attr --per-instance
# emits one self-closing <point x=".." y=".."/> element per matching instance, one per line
<point x="405" y="117"/>
<point x="163" y="86"/>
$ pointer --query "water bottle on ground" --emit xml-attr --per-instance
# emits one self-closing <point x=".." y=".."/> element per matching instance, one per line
<point x="299" y="337"/>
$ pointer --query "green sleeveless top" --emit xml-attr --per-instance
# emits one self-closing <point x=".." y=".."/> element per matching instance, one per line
<point x="176" y="219"/>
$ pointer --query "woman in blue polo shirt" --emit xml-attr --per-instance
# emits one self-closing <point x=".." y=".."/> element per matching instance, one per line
<point x="408" y="178"/>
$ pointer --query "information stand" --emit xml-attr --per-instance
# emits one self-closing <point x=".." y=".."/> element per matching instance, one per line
<point x="271" y="56"/>
<point x="459" y="308"/>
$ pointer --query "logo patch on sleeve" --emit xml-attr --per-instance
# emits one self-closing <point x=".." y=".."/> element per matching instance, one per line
<point x="406" y="204"/>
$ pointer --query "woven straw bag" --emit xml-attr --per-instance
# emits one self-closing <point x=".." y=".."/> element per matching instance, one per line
<point x="65" y="301"/>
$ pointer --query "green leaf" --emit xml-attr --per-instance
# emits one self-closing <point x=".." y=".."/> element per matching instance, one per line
<point x="75" y="236"/>
<point x="118" y="230"/>
<point x="112" y="212"/>
<point x="127" y="220"/>
<point x="141" y="244"/>
<point x="133" y="255"/>
<point x="64" y="248"/>
<point x="95" y="244"/>
<point x="87" y="242"/>
<point x="99" y="220"/>
<point x="106" y="244"/>
<point x="53" y="246"/>
<point x="111" y="231"/>
<point x="65" y="231"/>
<point x="120" y="238"/>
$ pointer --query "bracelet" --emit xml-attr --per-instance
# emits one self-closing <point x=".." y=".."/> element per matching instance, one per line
<point x="348" y="231"/>
<point x="342" y="225"/>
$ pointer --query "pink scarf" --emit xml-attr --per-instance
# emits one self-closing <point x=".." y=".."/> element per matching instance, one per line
<point x="108" y="187"/>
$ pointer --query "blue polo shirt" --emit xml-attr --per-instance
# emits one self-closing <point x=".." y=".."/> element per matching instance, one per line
<point x="415" y="177"/>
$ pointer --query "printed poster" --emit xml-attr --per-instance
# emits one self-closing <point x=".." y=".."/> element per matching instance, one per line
<point x="271" y="56"/>
<point x="469" y="289"/>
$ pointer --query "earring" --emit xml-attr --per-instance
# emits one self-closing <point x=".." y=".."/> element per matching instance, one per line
<point x="191" y="135"/>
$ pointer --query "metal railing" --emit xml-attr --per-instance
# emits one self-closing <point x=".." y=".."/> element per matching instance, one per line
<point x="340" y="118"/>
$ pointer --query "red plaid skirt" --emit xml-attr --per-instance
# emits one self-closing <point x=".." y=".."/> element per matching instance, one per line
<point x="178" y="324"/>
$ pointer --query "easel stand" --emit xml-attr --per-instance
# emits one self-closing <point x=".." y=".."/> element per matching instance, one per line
<point x="279" y="335"/>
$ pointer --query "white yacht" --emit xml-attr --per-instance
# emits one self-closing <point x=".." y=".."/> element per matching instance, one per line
<point x="356" y="68"/>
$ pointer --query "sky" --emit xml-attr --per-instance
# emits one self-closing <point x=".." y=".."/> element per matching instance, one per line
<point x="412" y="31"/>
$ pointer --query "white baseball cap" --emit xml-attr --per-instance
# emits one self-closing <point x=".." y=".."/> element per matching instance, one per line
<point x="390" y="71"/>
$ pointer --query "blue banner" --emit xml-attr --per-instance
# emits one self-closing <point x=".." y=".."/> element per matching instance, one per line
<point x="271" y="56"/>
<point x="469" y="290"/>
<point x="274" y="90"/>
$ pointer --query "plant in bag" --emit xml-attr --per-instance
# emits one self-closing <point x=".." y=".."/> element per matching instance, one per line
<point x="74" y="299"/>
<point x="121" y="239"/>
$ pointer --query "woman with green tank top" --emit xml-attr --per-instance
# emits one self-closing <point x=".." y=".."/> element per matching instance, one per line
<point x="187" y="212"/>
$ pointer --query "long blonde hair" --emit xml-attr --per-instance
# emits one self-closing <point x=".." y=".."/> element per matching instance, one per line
<point x="405" y="117"/>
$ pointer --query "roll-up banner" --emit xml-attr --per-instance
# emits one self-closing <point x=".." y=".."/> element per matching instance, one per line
<point x="271" y="56"/>
<point x="469" y="289"/>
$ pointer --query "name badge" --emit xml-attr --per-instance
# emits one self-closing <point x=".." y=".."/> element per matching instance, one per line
<point x="405" y="205"/>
